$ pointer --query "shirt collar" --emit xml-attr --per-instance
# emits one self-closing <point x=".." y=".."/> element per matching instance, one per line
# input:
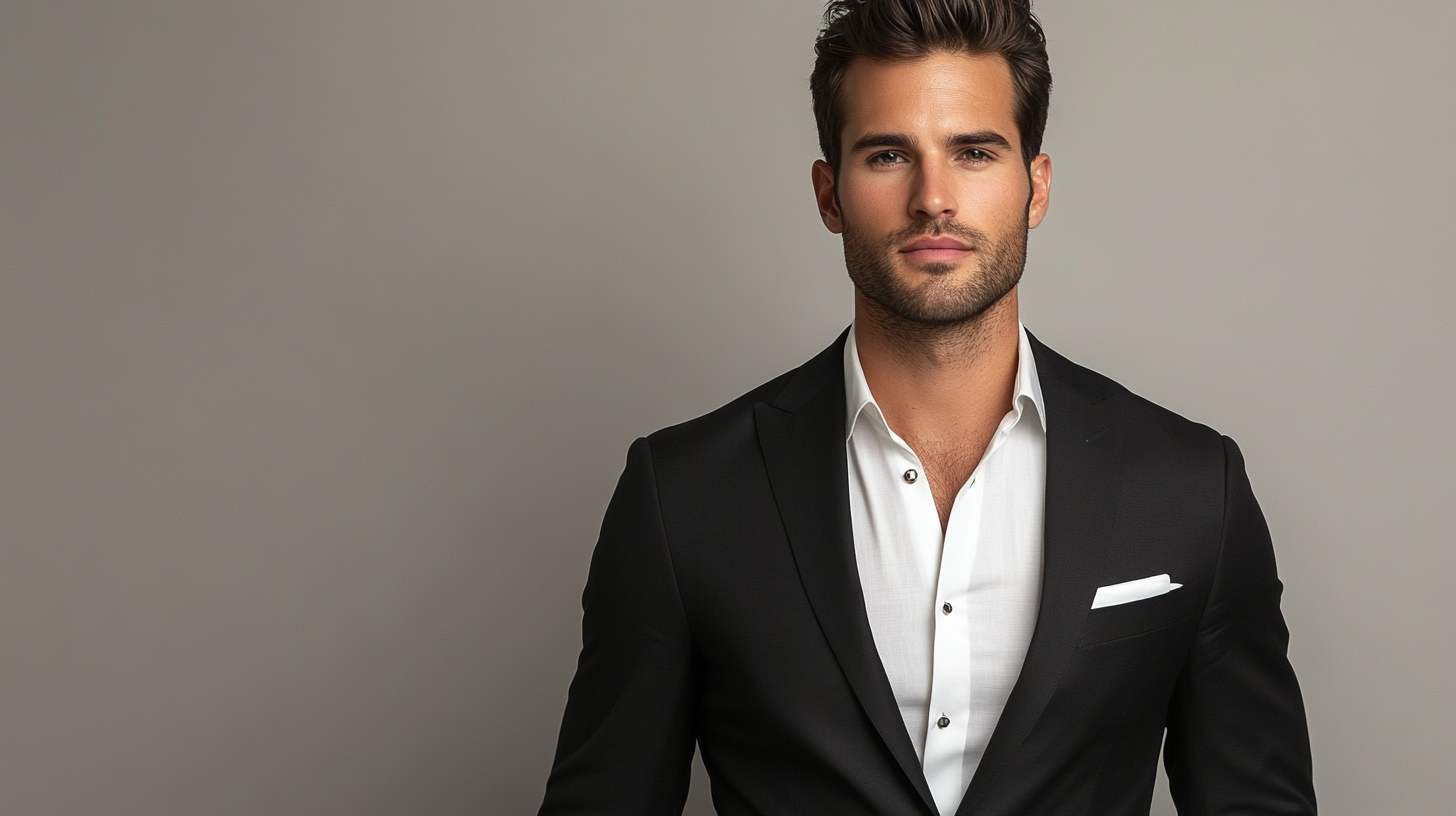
<point x="857" y="391"/>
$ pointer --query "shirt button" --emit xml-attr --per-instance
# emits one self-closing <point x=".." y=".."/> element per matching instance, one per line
<point x="945" y="608"/>
<point x="911" y="475"/>
<point x="943" y="722"/>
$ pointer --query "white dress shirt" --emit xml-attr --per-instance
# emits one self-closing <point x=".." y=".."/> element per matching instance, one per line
<point x="952" y="615"/>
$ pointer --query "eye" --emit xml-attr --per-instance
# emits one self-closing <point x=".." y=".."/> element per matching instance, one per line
<point x="887" y="158"/>
<point x="977" y="156"/>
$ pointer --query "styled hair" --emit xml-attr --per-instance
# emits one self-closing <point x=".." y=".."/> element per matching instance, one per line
<point x="914" y="29"/>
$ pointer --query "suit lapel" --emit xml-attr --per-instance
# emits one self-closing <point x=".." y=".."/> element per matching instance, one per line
<point x="802" y="437"/>
<point x="1082" y="476"/>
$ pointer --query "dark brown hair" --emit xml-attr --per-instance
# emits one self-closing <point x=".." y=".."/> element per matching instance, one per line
<point x="914" y="29"/>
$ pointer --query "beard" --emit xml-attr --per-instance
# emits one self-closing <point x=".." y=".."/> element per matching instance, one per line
<point x="941" y="300"/>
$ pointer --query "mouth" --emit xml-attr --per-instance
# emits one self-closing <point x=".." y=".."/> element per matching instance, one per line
<point x="936" y="249"/>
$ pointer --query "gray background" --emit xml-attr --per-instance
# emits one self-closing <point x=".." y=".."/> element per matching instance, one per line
<point x="325" y="326"/>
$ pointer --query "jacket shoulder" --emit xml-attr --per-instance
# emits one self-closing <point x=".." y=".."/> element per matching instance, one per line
<point x="1145" y="419"/>
<point x="728" y="419"/>
<point x="733" y="424"/>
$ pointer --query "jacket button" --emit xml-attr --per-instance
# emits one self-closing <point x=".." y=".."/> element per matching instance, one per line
<point x="943" y="722"/>
<point x="911" y="475"/>
<point x="945" y="608"/>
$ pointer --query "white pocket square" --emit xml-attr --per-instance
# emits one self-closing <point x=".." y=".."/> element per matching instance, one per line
<point x="1129" y="591"/>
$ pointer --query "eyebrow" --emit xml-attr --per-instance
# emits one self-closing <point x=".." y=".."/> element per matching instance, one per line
<point x="870" y="140"/>
<point x="980" y="137"/>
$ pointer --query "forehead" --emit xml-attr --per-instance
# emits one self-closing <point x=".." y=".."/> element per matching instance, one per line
<point x="940" y="93"/>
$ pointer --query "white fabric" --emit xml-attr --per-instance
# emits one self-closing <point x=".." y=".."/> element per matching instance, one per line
<point x="1129" y="591"/>
<point x="987" y="566"/>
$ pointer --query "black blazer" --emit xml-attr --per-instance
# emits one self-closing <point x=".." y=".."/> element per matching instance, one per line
<point x="724" y="607"/>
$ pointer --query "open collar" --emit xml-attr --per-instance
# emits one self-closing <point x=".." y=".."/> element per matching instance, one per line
<point x="860" y="402"/>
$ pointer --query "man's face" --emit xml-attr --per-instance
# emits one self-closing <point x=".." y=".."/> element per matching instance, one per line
<point x="932" y="196"/>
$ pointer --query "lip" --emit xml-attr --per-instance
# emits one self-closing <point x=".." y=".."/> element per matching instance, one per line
<point x="932" y="249"/>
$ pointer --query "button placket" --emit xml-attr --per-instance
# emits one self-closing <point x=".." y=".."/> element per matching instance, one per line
<point x="950" y="665"/>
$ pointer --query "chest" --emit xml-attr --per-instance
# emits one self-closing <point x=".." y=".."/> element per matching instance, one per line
<point x="948" y="463"/>
<point x="948" y="466"/>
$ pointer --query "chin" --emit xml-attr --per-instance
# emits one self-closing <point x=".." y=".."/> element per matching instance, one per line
<point x="934" y="269"/>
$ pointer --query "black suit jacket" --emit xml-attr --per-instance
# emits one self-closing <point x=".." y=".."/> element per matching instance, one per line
<point x="724" y="607"/>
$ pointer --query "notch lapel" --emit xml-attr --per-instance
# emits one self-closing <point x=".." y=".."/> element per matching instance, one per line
<point x="802" y="437"/>
<point x="1083" y="472"/>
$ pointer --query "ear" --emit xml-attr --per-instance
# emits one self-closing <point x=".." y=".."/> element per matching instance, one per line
<point x="1041" y="190"/>
<point x="824" y="194"/>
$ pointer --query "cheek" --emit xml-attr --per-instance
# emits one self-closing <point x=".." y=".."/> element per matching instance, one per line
<point x="874" y="203"/>
<point x="995" y="203"/>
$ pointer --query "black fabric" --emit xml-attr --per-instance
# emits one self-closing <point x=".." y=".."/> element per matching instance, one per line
<point x="724" y="607"/>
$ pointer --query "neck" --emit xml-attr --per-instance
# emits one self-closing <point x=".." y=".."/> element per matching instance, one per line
<point x="939" y="383"/>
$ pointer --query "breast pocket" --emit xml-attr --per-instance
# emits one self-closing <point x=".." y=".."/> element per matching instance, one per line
<point x="1134" y="618"/>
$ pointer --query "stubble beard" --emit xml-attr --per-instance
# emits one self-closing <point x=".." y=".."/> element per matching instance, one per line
<point x="939" y="302"/>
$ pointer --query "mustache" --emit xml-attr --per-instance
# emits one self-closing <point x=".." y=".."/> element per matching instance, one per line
<point x="937" y="228"/>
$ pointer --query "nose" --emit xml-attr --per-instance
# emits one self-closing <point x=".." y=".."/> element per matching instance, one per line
<point x="933" y="196"/>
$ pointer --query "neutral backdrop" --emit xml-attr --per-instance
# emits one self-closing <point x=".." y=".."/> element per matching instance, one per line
<point x="325" y="327"/>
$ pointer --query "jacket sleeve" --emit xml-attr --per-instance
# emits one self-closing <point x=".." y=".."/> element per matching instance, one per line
<point x="1237" y="740"/>
<point x="626" y="742"/>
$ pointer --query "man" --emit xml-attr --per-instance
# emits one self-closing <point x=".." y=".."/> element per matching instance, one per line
<point x="938" y="569"/>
